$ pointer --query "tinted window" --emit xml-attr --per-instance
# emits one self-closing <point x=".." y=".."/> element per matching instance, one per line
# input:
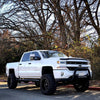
<point x="36" y="54"/>
<point x="48" y="54"/>
<point x="26" y="57"/>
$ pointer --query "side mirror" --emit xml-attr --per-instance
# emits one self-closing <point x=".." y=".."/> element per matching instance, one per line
<point x="34" y="57"/>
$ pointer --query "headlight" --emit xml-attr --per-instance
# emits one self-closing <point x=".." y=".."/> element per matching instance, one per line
<point x="62" y="62"/>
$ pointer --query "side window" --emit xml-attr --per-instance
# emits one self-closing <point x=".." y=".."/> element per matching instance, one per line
<point x="36" y="54"/>
<point x="26" y="57"/>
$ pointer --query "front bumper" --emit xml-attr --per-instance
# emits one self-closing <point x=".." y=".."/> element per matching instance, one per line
<point x="74" y="78"/>
<point x="67" y="76"/>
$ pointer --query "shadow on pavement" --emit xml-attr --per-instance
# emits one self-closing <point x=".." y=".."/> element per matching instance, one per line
<point x="61" y="92"/>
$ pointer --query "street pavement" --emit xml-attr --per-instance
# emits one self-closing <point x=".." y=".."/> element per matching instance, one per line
<point x="31" y="92"/>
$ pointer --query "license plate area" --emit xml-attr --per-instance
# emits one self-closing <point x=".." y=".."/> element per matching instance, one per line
<point x="82" y="73"/>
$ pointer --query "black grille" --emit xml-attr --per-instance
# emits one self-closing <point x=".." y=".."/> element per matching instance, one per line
<point x="71" y="62"/>
<point x="73" y="68"/>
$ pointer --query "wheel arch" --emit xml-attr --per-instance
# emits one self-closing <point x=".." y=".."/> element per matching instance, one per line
<point x="11" y="71"/>
<point x="47" y="70"/>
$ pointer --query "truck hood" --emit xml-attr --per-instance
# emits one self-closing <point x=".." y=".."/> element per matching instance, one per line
<point x="72" y="58"/>
<point x="65" y="58"/>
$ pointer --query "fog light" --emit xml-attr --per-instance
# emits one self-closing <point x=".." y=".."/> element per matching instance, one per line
<point x="62" y="73"/>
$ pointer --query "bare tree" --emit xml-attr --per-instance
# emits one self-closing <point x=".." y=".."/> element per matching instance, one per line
<point x="41" y="21"/>
<point x="74" y="13"/>
<point x="56" y="8"/>
<point x="30" y="19"/>
<point x="92" y="7"/>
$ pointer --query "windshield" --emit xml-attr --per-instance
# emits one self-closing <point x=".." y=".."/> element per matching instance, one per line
<point x="48" y="54"/>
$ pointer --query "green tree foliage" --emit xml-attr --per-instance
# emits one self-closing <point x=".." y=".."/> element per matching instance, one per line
<point x="9" y="55"/>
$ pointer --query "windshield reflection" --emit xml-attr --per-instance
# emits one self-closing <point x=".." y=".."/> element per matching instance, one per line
<point x="48" y="54"/>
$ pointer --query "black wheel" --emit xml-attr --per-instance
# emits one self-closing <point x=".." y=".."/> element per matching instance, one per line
<point x="12" y="81"/>
<point x="37" y="84"/>
<point x="81" y="85"/>
<point x="47" y="84"/>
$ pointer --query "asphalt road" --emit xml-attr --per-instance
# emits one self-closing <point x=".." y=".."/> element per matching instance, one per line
<point x="30" y="92"/>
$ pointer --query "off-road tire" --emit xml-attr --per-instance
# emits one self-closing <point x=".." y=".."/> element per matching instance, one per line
<point x="12" y="81"/>
<point x="47" y="84"/>
<point x="81" y="85"/>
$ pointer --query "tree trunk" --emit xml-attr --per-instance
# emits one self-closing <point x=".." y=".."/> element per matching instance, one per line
<point x="62" y="26"/>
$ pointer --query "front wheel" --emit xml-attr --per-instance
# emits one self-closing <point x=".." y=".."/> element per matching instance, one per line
<point x="81" y="85"/>
<point x="12" y="81"/>
<point x="47" y="84"/>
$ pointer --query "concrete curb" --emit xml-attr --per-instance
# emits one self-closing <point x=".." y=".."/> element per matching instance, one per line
<point x="67" y="86"/>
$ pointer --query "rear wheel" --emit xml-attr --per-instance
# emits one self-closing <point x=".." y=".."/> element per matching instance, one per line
<point x="12" y="81"/>
<point x="47" y="84"/>
<point x="81" y="85"/>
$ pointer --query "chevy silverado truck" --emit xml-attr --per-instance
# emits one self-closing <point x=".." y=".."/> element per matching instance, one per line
<point x="49" y="69"/>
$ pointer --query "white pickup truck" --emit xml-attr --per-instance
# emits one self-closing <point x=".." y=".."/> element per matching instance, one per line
<point x="49" y="69"/>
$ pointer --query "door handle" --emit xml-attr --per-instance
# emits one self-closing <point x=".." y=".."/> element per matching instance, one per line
<point x="29" y="63"/>
<point x="20" y="64"/>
